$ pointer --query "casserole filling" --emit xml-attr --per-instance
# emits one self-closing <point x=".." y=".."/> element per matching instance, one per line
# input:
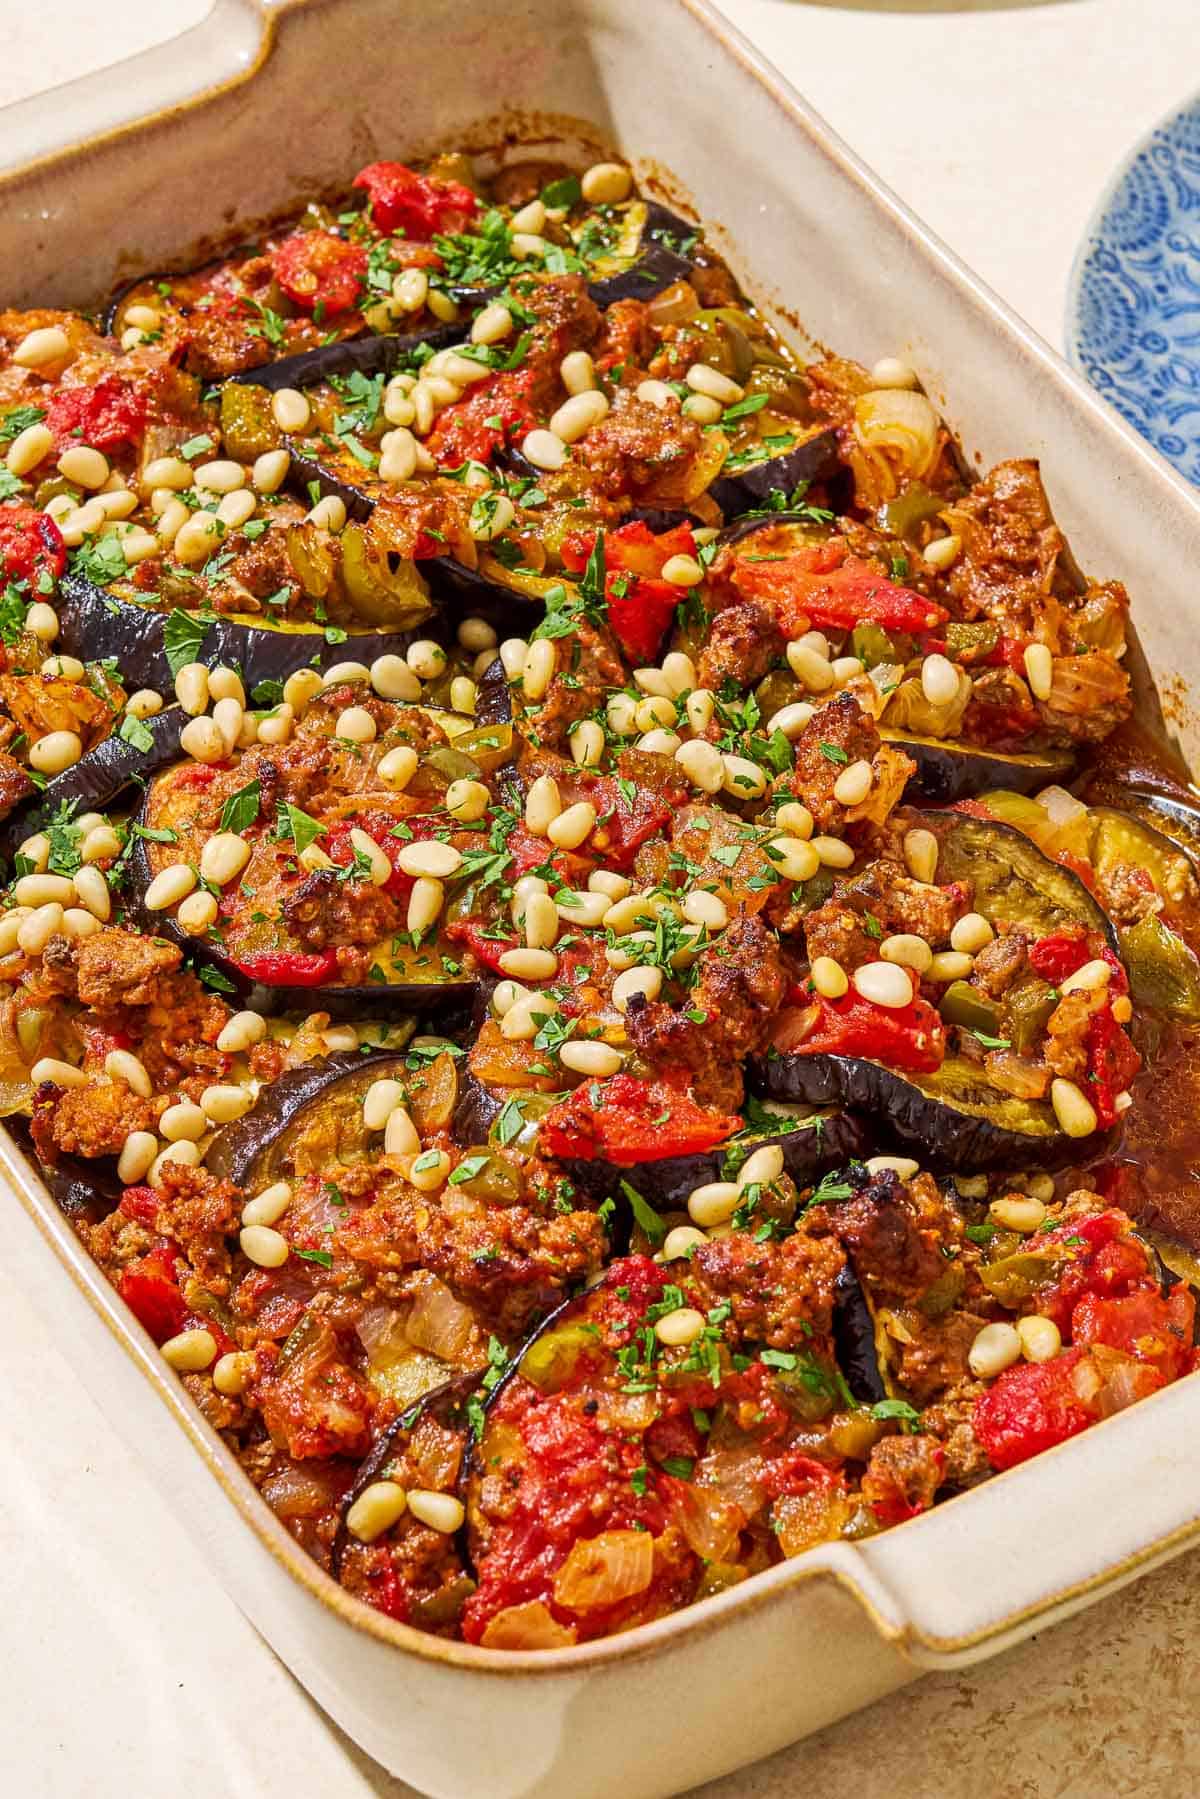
<point x="588" y="936"/>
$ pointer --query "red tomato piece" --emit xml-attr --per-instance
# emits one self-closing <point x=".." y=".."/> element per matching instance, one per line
<point x="291" y="967"/>
<point x="474" y="428"/>
<point x="1155" y="1330"/>
<point x="315" y="268"/>
<point x="1029" y="1408"/>
<point x="140" y="1204"/>
<point x="421" y="205"/>
<point x="150" y="1290"/>
<point x="628" y="822"/>
<point x="911" y="1037"/>
<point x="640" y="604"/>
<point x="1112" y="1064"/>
<point x="826" y="590"/>
<point x="624" y="1120"/>
<point x="476" y="935"/>
<point x="30" y="545"/>
<point x="1098" y="1255"/>
<point x="106" y="416"/>
<point x="1058" y="956"/>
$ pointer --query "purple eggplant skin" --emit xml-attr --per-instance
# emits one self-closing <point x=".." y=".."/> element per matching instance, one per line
<point x="94" y="624"/>
<point x="854" y="1339"/>
<point x="371" y="353"/>
<point x="947" y="772"/>
<point x="237" y="1148"/>
<point x="391" y="1000"/>
<point x="816" y="459"/>
<point x="81" y="1189"/>
<point x="97" y="780"/>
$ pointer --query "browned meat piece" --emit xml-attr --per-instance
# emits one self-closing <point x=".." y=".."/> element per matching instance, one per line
<point x="116" y="968"/>
<point x="565" y="318"/>
<point x="312" y="1403"/>
<point x="197" y="1212"/>
<point x="742" y="645"/>
<point x="1089" y="696"/>
<point x="741" y="986"/>
<point x="325" y="909"/>
<point x="1065" y="1052"/>
<point x="587" y="668"/>
<point x="1001" y="710"/>
<point x="999" y="963"/>
<point x="714" y="284"/>
<point x="903" y="1475"/>
<point x="260" y="567"/>
<point x="644" y="449"/>
<point x="521" y="182"/>
<point x="837" y="929"/>
<point x="838" y="734"/>
<point x="782" y="1292"/>
<point x="935" y="1356"/>
<point x="93" y="1120"/>
<point x="15" y="784"/>
<point x="894" y="1233"/>
<point x="1128" y="895"/>
<point x="221" y="340"/>
<point x="508" y="1264"/>
<point x="1011" y="547"/>
<point x="626" y="338"/>
<point x="881" y="903"/>
<point x="950" y="1422"/>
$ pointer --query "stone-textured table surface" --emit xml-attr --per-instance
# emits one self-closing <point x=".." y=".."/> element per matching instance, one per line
<point x="123" y="1666"/>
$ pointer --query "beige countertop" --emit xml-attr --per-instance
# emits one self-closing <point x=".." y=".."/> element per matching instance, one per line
<point x="1000" y="123"/>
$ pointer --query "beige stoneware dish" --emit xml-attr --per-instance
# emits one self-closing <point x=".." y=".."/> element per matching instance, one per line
<point x="265" y="105"/>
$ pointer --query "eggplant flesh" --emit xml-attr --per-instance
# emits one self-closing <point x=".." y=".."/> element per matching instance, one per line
<point x="953" y="1121"/>
<point x="98" y="779"/>
<point x="816" y="458"/>
<point x="256" y="1150"/>
<point x="949" y="770"/>
<point x="94" y="624"/>
<point x="1012" y="881"/>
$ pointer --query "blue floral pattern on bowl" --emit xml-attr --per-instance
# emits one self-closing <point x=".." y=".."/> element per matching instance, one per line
<point x="1133" y="311"/>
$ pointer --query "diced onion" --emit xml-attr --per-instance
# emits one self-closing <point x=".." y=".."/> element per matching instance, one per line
<point x="602" y="1570"/>
<point x="709" y="1524"/>
<point x="1062" y="807"/>
<point x="438" y="1322"/>
<point x="529" y="1626"/>
<point x="899" y="424"/>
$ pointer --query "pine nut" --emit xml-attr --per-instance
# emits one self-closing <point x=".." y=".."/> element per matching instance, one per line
<point x="587" y="743"/>
<point x="233" y="1373"/>
<point x="263" y="1246"/>
<point x="203" y="740"/>
<point x="795" y="819"/>
<point x="529" y="964"/>
<point x="853" y="784"/>
<point x="703" y="409"/>
<point x="543" y="804"/>
<point x="707" y="909"/>
<point x="902" y="1166"/>
<point x="36" y="849"/>
<point x="28" y="448"/>
<point x="679" y="1241"/>
<point x="225" y="1102"/>
<point x="832" y="852"/>
<point x="586" y="909"/>
<point x="921" y="854"/>
<point x="426" y="659"/>
<point x="183" y="1123"/>
<point x="242" y="1031"/>
<point x="42" y="890"/>
<point x="621" y="712"/>
<point x="123" y="1065"/>
<point x="829" y="977"/>
<point x="656" y="393"/>
<point x="682" y="571"/>
<point x="659" y="743"/>
<point x="55" y="752"/>
<point x="1088" y="979"/>
<point x="793" y="858"/>
<point x="380" y="1101"/>
<point x="889" y="371"/>
<point x="1041" y="1339"/>
<point x="398" y="456"/>
<point x="1039" y="670"/>
<point x="578" y="372"/>
<point x="713" y="1203"/>
<point x="379" y="1506"/>
<point x="514" y="653"/>
<point x="439" y="1511"/>
<point x="743" y="779"/>
<point x="467" y="800"/>
<point x="544" y="449"/>
<point x="572" y="827"/>
<point x="190" y="1352"/>
<point x="949" y="965"/>
<point x="191" y="688"/>
<point x="614" y="886"/>
<point x="196" y="540"/>
<point x="646" y="981"/>
<point x="78" y="923"/>
<point x="971" y="933"/>
<point x="137" y="1153"/>
<point x="996" y="1348"/>
<point x="492" y="325"/>
<point x="100" y="844"/>
<point x="167" y="471"/>
<point x="656" y="710"/>
<point x="538" y="670"/>
<point x="428" y="1173"/>
<point x="400" y="1134"/>
<point x="225" y="684"/>
<point x="84" y="467"/>
<point x="701" y="763"/>
<point x="356" y="725"/>
<point x="598" y="1060"/>
<point x="35" y="932"/>
<point x="342" y="672"/>
<point x="809" y="667"/>
<point x="41" y="621"/>
<point x="943" y="552"/>
<point x="1072" y="1108"/>
<point x="184" y="1153"/>
<point x="907" y="950"/>
<point x="275" y="728"/>
<point x="410" y="289"/>
<point x="626" y="913"/>
<point x="1013" y="1213"/>
<point x="329" y="514"/>
<point x="884" y="984"/>
<point x="680" y="1327"/>
<point x="606" y="184"/>
<point x="223" y="858"/>
<point x="702" y="378"/>
<point x="541" y="921"/>
<point x="270" y="471"/>
<point x="171" y="521"/>
<point x="38" y="348"/>
<point x="290" y="409"/>
<point x="169" y="886"/>
<point x="762" y="1168"/>
<point x="791" y="720"/>
<point x="62" y="1074"/>
<point x="436" y="861"/>
<point x="425" y="903"/>
<point x="398" y="767"/>
<point x="939" y="680"/>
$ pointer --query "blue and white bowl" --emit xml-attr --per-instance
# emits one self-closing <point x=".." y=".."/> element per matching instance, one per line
<point x="1133" y="305"/>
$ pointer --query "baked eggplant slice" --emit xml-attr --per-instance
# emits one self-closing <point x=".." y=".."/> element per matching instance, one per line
<point x="99" y="778"/>
<point x="321" y="1100"/>
<point x="1012" y="880"/>
<point x="95" y="623"/>
<point x="948" y="770"/>
<point x="754" y="484"/>
<point x="854" y="1339"/>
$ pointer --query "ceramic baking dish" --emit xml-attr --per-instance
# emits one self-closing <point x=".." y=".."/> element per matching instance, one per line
<point x="264" y="107"/>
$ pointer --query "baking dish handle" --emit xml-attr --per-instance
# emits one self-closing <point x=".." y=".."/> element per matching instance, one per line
<point x="224" y="47"/>
<point x="1037" y="1543"/>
